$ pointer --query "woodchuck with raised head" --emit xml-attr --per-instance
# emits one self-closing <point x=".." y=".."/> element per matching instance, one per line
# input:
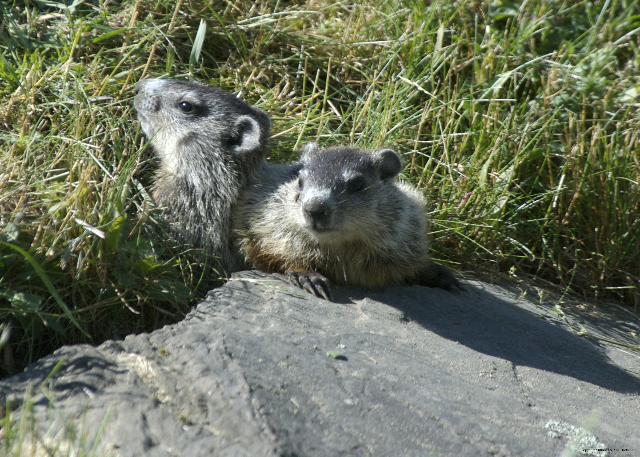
<point x="342" y="217"/>
<point x="209" y="143"/>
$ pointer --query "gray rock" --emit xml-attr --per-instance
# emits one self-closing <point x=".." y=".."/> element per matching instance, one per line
<point x="261" y="368"/>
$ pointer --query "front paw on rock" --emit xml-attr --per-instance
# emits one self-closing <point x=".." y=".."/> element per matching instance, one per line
<point x="312" y="282"/>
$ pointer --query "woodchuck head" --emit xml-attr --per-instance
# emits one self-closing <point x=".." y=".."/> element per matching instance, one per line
<point x="343" y="190"/>
<point x="189" y="123"/>
<point x="210" y="145"/>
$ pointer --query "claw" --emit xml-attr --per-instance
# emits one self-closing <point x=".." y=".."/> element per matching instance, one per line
<point x="440" y="276"/>
<point x="293" y="278"/>
<point x="312" y="282"/>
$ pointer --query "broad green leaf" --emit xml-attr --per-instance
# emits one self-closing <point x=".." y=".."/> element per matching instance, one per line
<point x="29" y="303"/>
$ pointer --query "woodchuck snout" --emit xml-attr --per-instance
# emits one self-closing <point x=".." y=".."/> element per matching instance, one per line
<point x="210" y="143"/>
<point x="342" y="216"/>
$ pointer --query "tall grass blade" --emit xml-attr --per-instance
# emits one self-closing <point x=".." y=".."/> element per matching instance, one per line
<point x="47" y="282"/>
<point x="197" y="45"/>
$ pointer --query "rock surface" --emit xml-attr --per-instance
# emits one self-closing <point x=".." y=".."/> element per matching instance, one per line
<point x="260" y="368"/>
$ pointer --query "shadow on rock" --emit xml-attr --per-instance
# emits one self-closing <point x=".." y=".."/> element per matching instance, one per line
<point x="83" y="369"/>
<point x="485" y="323"/>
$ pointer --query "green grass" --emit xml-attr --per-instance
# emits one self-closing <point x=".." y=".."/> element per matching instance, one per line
<point x="21" y="435"/>
<point x="521" y="122"/>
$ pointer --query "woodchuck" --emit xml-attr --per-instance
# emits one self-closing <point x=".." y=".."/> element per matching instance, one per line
<point x="339" y="216"/>
<point x="209" y="144"/>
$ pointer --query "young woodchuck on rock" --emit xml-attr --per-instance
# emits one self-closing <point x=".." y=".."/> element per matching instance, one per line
<point x="341" y="217"/>
<point x="209" y="144"/>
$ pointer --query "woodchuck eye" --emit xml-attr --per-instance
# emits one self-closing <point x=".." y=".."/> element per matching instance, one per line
<point x="355" y="185"/>
<point x="186" y="107"/>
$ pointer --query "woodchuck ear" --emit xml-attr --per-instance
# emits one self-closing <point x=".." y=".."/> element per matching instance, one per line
<point x="309" y="150"/>
<point x="266" y="120"/>
<point x="387" y="162"/>
<point x="246" y="135"/>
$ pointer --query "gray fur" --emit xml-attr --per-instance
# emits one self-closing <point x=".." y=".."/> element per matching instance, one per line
<point x="344" y="217"/>
<point x="210" y="143"/>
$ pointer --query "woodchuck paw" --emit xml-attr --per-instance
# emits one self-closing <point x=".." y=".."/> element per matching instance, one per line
<point x="312" y="282"/>
<point x="440" y="276"/>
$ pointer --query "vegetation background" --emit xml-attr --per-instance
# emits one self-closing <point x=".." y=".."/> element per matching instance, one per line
<point x="520" y="121"/>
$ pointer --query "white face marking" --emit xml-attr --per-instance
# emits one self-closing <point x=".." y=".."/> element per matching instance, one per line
<point x="323" y="194"/>
<point x="166" y="143"/>
<point x="349" y="174"/>
<point x="154" y="85"/>
<point x="146" y="128"/>
<point x="190" y="96"/>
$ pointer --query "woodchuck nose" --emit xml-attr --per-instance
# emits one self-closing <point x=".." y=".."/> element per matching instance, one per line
<point x="209" y="144"/>
<point x="343" y="217"/>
